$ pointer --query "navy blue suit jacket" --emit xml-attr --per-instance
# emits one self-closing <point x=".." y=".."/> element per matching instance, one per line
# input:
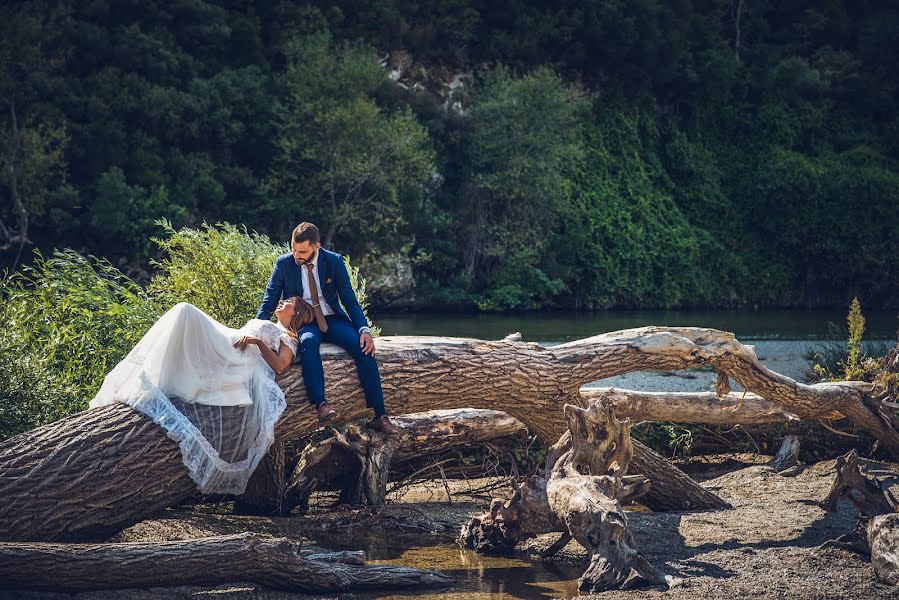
<point x="287" y="281"/>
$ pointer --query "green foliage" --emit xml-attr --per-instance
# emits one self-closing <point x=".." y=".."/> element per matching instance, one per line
<point x="526" y="139"/>
<point x="856" y="322"/>
<point x="667" y="438"/>
<point x="358" y="284"/>
<point x="221" y="269"/>
<point x="67" y="321"/>
<point x="127" y="215"/>
<point x="338" y="148"/>
<point x="836" y="360"/>
<point x="705" y="174"/>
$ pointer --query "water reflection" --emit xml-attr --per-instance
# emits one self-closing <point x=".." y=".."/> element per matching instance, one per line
<point x="476" y="577"/>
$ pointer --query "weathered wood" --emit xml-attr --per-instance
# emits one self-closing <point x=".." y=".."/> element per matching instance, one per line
<point x="733" y="408"/>
<point x="876" y="532"/>
<point x="883" y="539"/>
<point x="578" y="492"/>
<point x="99" y="471"/>
<point x="247" y="557"/>
<point x="787" y="455"/>
<point x="863" y="491"/>
<point x="266" y="487"/>
<point x="361" y="459"/>
<point x="671" y="489"/>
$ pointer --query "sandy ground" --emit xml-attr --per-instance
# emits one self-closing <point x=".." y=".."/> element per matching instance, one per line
<point x="767" y="546"/>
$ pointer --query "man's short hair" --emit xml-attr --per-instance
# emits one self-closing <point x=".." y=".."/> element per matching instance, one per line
<point x="305" y="232"/>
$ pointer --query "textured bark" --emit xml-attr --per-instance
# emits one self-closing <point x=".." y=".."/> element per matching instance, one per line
<point x="362" y="459"/>
<point x="672" y="489"/>
<point x="101" y="470"/>
<point x="266" y="487"/>
<point x="578" y="492"/>
<point x="883" y="539"/>
<point x="247" y="557"/>
<point x="733" y="408"/>
<point x="88" y="476"/>
<point x="863" y="491"/>
<point x="877" y="530"/>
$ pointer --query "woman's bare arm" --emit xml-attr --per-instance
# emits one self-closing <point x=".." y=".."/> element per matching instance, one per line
<point x="278" y="362"/>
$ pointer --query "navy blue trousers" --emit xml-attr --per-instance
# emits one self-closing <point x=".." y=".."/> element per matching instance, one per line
<point x="340" y="332"/>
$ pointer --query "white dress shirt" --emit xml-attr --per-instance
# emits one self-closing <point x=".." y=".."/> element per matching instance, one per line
<point x="307" y="292"/>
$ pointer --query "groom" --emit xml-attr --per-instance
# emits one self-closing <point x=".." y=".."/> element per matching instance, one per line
<point x="320" y="277"/>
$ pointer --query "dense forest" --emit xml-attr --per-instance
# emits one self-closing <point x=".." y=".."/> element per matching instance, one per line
<point x="517" y="155"/>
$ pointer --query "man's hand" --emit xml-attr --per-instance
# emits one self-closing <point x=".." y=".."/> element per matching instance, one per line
<point x="247" y="340"/>
<point x="367" y="343"/>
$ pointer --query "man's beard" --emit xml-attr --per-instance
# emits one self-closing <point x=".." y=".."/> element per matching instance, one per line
<point x="302" y="261"/>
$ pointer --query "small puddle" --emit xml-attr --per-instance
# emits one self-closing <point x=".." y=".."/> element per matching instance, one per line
<point x="476" y="577"/>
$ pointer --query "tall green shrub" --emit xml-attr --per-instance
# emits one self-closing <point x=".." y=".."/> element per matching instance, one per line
<point x="68" y="319"/>
<point x="221" y="269"/>
<point x="856" y="323"/>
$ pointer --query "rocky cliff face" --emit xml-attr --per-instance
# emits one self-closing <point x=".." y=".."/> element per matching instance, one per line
<point x="389" y="281"/>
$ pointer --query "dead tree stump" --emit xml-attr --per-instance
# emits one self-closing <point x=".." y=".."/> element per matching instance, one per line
<point x="357" y="461"/>
<point x="877" y="530"/>
<point x="578" y="492"/>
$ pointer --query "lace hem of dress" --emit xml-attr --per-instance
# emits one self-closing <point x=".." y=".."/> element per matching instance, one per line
<point x="211" y="474"/>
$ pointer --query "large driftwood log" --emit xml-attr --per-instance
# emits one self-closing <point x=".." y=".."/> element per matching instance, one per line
<point x="577" y="492"/>
<point x="358" y="461"/>
<point x="247" y="557"/>
<point x="99" y="471"/>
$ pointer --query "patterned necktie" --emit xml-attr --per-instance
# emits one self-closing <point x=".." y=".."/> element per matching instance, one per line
<point x="316" y="307"/>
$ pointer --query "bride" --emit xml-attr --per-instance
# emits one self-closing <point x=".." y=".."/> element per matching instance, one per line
<point x="211" y="388"/>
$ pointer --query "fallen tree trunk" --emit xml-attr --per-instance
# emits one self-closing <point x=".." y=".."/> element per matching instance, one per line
<point x="246" y="557"/>
<point x="99" y="471"/>
<point x="359" y="461"/>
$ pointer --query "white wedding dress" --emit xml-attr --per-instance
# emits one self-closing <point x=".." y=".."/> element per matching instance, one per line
<point x="219" y="403"/>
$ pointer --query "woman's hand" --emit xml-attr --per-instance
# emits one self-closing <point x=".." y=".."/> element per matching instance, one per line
<point x="247" y="340"/>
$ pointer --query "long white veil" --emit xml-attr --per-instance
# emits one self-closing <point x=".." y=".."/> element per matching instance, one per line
<point x="219" y="403"/>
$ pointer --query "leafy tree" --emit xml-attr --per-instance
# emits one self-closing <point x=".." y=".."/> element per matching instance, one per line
<point x="32" y="146"/>
<point x="68" y="320"/>
<point x="525" y="138"/>
<point x="220" y="269"/>
<point x="339" y="151"/>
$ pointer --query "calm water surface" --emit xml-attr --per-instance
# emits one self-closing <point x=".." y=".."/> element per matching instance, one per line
<point x="475" y="577"/>
<point x="563" y="327"/>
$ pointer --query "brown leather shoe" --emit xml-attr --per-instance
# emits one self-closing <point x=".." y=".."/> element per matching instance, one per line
<point x="325" y="412"/>
<point x="383" y="425"/>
